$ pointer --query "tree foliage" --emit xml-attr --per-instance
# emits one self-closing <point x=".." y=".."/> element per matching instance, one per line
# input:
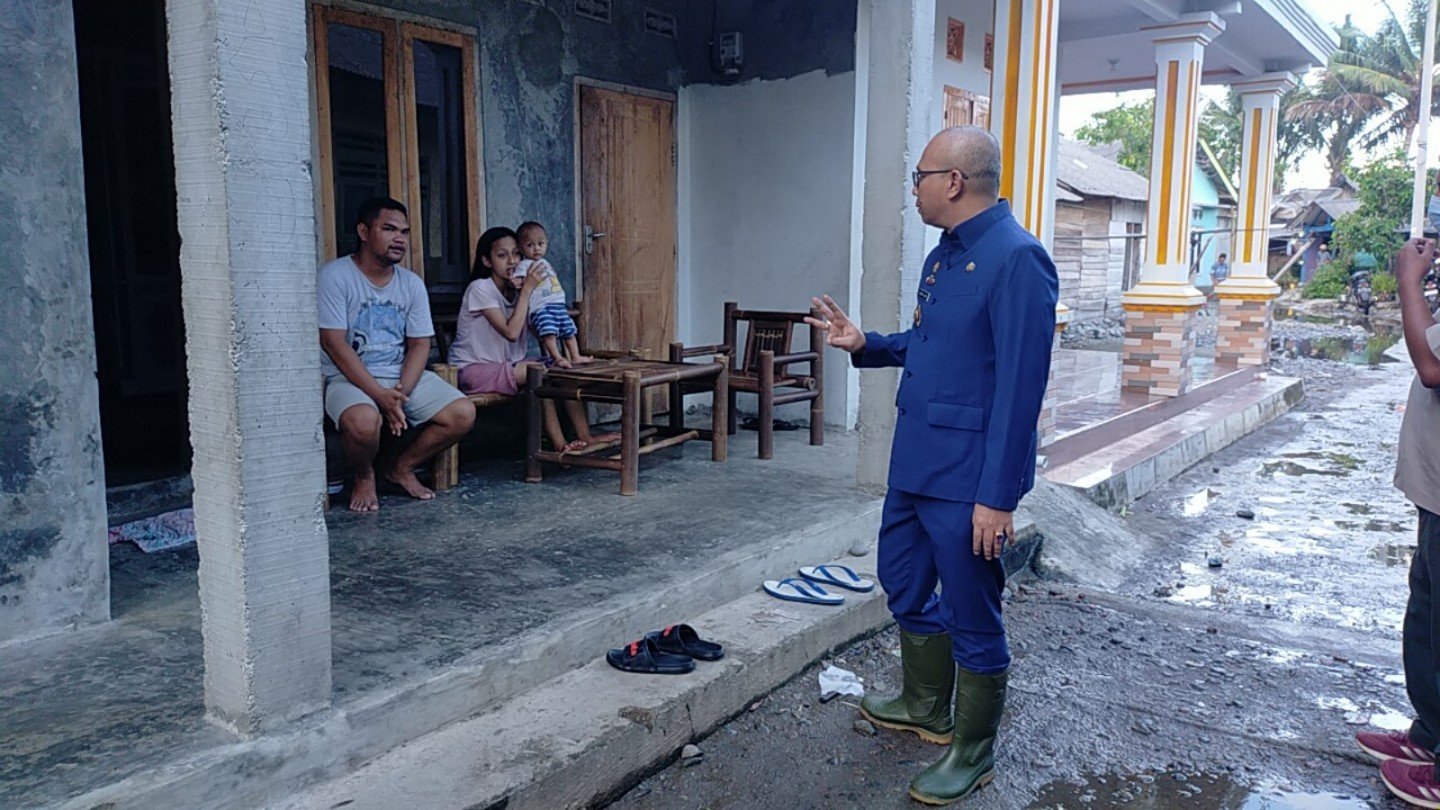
<point x="1369" y="93"/>
<point x="1132" y="126"/>
<point x="1378" y="225"/>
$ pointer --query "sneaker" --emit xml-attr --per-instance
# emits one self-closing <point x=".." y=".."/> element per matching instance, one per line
<point x="1414" y="783"/>
<point x="1388" y="745"/>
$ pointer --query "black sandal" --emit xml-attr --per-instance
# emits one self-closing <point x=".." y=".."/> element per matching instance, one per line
<point x="644" y="657"/>
<point x="681" y="639"/>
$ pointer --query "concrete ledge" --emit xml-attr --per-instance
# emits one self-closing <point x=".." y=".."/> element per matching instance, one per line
<point x="1128" y="469"/>
<point x="251" y="773"/>
<point x="594" y="731"/>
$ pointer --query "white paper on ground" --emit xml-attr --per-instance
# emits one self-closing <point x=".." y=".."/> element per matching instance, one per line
<point x="840" y="681"/>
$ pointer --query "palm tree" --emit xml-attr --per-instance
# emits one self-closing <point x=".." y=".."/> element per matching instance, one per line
<point x="1387" y="68"/>
<point x="1335" y="112"/>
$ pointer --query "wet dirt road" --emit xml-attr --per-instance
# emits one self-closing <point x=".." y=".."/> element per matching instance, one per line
<point x="1237" y="686"/>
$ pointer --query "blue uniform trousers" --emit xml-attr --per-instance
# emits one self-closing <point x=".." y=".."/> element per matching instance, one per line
<point x="927" y="540"/>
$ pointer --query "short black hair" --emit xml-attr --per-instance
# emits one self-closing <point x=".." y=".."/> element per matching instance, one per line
<point x="530" y="225"/>
<point x="483" y="247"/>
<point x="371" y="208"/>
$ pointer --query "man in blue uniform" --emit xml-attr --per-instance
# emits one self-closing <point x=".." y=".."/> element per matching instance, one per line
<point x="976" y="360"/>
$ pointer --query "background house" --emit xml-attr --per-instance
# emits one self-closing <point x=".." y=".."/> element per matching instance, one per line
<point x="1099" y="220"/>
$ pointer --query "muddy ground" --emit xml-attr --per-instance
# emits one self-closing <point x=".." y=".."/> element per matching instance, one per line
<point x="1237" y="686"/>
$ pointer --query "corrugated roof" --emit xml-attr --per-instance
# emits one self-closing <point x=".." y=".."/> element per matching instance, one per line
<point x="1338" y="208"/>
<point x="1084" y="171"/>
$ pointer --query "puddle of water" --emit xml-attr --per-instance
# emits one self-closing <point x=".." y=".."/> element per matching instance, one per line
<point x="1393" y="554"/>
<point x="1360" y="350"/>
<point x="1384" y="526"/>
<point x="1196" y="504"/>
<point x="1288" y="467"/>
<point x="1390" y="720"/>
<point x="1338" y="704"/>
<point x="1174" y="790"/>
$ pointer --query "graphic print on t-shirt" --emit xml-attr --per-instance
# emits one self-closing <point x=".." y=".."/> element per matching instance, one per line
<point x="378" y="336"/>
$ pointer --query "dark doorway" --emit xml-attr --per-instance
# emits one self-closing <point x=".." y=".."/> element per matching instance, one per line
<point x="134" y="243"/>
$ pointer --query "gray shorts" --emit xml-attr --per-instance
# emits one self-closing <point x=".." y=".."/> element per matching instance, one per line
<point x="430" y="397"/>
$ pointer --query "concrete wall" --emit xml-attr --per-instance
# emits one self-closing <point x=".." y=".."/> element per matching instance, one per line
<point x="971" y="75"/>
<point x="54" y="564"/>
<point x="766" y="203"/>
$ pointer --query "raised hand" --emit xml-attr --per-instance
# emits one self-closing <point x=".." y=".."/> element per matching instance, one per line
<point x="839" y="331"/>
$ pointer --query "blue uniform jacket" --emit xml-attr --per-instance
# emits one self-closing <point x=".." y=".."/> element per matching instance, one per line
<point x="975" y="364"/>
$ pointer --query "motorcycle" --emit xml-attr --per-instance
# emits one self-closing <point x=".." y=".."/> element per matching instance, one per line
<point x="1360" y="293"/>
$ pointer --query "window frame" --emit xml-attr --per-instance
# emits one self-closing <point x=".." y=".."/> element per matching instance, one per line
<point x="401" y="127"/>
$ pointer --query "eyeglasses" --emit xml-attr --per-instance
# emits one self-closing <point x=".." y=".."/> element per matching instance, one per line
<point x="917" y="175"/>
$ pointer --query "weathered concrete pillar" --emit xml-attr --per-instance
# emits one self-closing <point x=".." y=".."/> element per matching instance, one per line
<point x="1246" y="297"/>
<point x="54" y="559"/>
<point x="1026" y="94"/>
<point x="241" y="118"/>
<point x="1160" y="310"/>
<point x="897" y="112"/>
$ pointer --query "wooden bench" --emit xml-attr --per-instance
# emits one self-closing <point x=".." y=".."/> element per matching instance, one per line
<point x="445" y="468"/>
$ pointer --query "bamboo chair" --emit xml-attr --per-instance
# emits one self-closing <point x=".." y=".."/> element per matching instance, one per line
<point x="764" y="369"/>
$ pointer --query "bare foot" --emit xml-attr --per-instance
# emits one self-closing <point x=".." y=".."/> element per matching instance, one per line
<point x="561" y="362"/>
<point x="571" y="447"/>
<point x="605" y="438"/>
<point x="406" y="480"/>
<point x="584" y="360"/>
<point x="362" y="496"/>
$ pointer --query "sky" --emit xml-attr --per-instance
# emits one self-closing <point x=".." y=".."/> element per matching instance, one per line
<point x="1310" y="172"/>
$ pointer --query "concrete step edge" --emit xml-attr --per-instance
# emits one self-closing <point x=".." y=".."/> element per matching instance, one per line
<point x="593" y="732"/>
<point x="242" y="773"/>
<point x="1102" y="478"/>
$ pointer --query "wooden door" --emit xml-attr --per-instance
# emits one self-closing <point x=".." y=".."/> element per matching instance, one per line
<point x="627" y="179"/>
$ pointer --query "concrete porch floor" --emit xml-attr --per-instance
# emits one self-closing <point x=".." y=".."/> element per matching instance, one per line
<point x="439" y="610"/>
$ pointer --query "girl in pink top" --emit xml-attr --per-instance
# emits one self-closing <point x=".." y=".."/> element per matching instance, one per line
<point x="489" y="342"/>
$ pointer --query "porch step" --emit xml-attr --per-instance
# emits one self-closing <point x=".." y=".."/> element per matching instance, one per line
<point x="1077" y="444"/>
<point x="1133" y="461"/>
<point x="591" y="734"/>
<point x="253" y="773"/>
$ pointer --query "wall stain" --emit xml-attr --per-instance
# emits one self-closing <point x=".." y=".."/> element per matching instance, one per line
<point x="19" y="546"/>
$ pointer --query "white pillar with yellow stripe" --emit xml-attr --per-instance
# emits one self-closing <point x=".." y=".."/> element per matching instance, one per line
<point x="1025" y="89"/>
<point x="1160" y="310"/>
<point x="1243" y="328"/>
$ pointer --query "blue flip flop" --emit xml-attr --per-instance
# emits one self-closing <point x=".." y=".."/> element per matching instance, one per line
<point x="793" y="589"/>
<point x="841" y="576"/>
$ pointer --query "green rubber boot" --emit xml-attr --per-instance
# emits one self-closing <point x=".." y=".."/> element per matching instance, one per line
<point x="970" y="762"/>
<point x="923" y="705"/>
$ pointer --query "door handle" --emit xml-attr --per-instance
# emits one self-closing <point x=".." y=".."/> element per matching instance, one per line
<point x="590" y="236"/>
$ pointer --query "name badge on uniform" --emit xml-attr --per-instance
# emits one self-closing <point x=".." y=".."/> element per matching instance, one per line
<point x="925" y="296"/>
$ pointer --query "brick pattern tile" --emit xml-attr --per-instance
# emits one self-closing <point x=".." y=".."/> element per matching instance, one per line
<point x="1243" y="332"/>
<point x="1159" y="347"/>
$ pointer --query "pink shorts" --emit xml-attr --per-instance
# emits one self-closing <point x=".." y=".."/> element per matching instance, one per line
<point x="488" y="378"/>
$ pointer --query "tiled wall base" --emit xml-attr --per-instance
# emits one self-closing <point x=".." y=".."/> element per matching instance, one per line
<point x="1047" y="425"/>
<point x="1158" y="348"/>
<point x="1243" y="332"/>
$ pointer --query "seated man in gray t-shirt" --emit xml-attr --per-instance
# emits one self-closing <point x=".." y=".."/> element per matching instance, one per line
<point x="375" y="331"/>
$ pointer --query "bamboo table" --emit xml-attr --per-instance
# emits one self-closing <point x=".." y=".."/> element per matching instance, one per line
<point x="623" y="382"/>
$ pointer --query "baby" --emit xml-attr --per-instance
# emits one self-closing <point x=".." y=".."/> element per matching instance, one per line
<point x="549" y="318"/>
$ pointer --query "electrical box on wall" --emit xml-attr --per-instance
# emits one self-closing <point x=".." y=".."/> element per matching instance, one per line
<point x="730" y="53"/>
